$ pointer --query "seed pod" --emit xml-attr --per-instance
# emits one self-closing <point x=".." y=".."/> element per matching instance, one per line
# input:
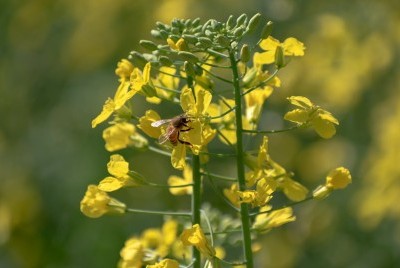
<point x="148" y="45"/>
<point x="279" y="57"/>
<point x="190" y="57"/>
<point x="267" y="30"/>
<point x="245" y="53"/>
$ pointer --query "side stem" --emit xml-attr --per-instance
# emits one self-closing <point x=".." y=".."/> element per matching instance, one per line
<point x="244" y="209"/>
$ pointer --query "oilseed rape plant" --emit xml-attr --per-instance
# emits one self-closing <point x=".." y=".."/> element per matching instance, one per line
<point x="220" y="83"/>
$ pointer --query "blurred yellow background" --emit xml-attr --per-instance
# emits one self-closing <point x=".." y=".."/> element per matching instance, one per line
<point x="57" y="61"/>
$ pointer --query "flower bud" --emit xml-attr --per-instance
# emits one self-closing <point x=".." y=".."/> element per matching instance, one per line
<point x="242" y="19"/>
<point x="245" y="53"/>
<point x="165" y="61"/>
<point x="267" y="30"/>
<point x="321" y="192"/>
<point x="253" y="23"/>
<point x="189" y="69"/>
<point x="148" y="45"/>
<point x="279" y="57"/>
<point x="190" y="57"/>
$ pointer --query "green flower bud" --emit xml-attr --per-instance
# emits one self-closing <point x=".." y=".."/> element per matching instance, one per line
<point x="137" y="59"/>
<point x="267" y="30"/>
<point x="279" y="57"/>
<point x="253" y="23"/>
<point x="223" y="41"/>
<point x="190" y="57"/>
<point x="189" y="69"/>
<point x="165" y="61"/>
<point x="205" y="42"/>
<point x="245" y="53"/>
<point x="156" y="34"/>
<point x="241" y="20"/>
<point x="161" y="25"/>
<point x="230" y="23"/>
<point x="148" y="45"/>
<point x="192" y="39"/>
<point x="196" y="22"/>
<point x="239" y="31"/>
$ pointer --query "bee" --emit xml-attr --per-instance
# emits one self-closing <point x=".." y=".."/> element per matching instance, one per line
<point x="176" y="125"/>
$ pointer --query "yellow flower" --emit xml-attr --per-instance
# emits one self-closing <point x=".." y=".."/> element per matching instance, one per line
<point x="145" y="124"/>
<point x="119" y="168"/>
<point x="292" y="189"/>
<point x="96" y="203"/>
<point x="122" y="135"/>
<point x="166" y="263"/>
<point x="122" y="95"/>
<point x="266" y="221"/>
<point x="124" y="69"/>
<point x="140" y="81"/>
<point x="195" y="237"/>
<point x="321" y="120"/>
<point x="200" y="134"/>
<point x="259" y="197"/>
<point x="338" y="178"/>
<point x="291" y="47"/>
<point x="232" y="194"/>
<point x="180" y="45"/>
<point x="175" y="181"/>
<point x="255" y="101"/>
<point x="131" y="254"/>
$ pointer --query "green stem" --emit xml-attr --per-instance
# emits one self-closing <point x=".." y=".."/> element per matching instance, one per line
<point x="271" y="131"/>
<point x="196" y="195"/>
<point x="244" y="209"/>
<point x="156" y="212"/>
<point x="196" y="202"/>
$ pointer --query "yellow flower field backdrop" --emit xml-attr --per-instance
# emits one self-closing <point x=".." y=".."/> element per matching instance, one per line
<point x="57" y="68"/>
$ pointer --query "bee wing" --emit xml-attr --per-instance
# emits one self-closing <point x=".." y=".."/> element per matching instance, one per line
<point x="160" y="122"/>
<point x="163" y="138"/>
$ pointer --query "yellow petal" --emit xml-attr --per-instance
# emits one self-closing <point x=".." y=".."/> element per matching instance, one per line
<point x="188" y="103"/>
<point x="267" y="57"/>
<point x="110" y="184"/>
<point x="108" y="109"/>
<point x="338" y="178"/>
<point x="229" y="135"/>
<point x="145" y="124"/>
<point x="297" y="115"/>
<point x="178" y="156"/>
<point x="269" y="44"/>
<point x="117" y="166"/>
<point x="123" y="94"/>
<point x="203" y="100"/>
<point x="118" y="136"/>
<point x="324" y="128"/>
<point x="293" y="47"/>
<point x="301" y="101"/>
<point x="293" y="190"/>
<point x="175" y="181"/>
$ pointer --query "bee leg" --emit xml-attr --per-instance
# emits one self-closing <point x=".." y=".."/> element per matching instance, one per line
<point x="184" y="142"/>
<point x="184" y="130"/>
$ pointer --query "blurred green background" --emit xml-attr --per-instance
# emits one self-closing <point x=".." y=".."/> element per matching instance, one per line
<point x="57" y="61"/>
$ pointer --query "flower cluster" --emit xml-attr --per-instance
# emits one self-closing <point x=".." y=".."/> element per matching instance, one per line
<point x="188" y="70"/>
